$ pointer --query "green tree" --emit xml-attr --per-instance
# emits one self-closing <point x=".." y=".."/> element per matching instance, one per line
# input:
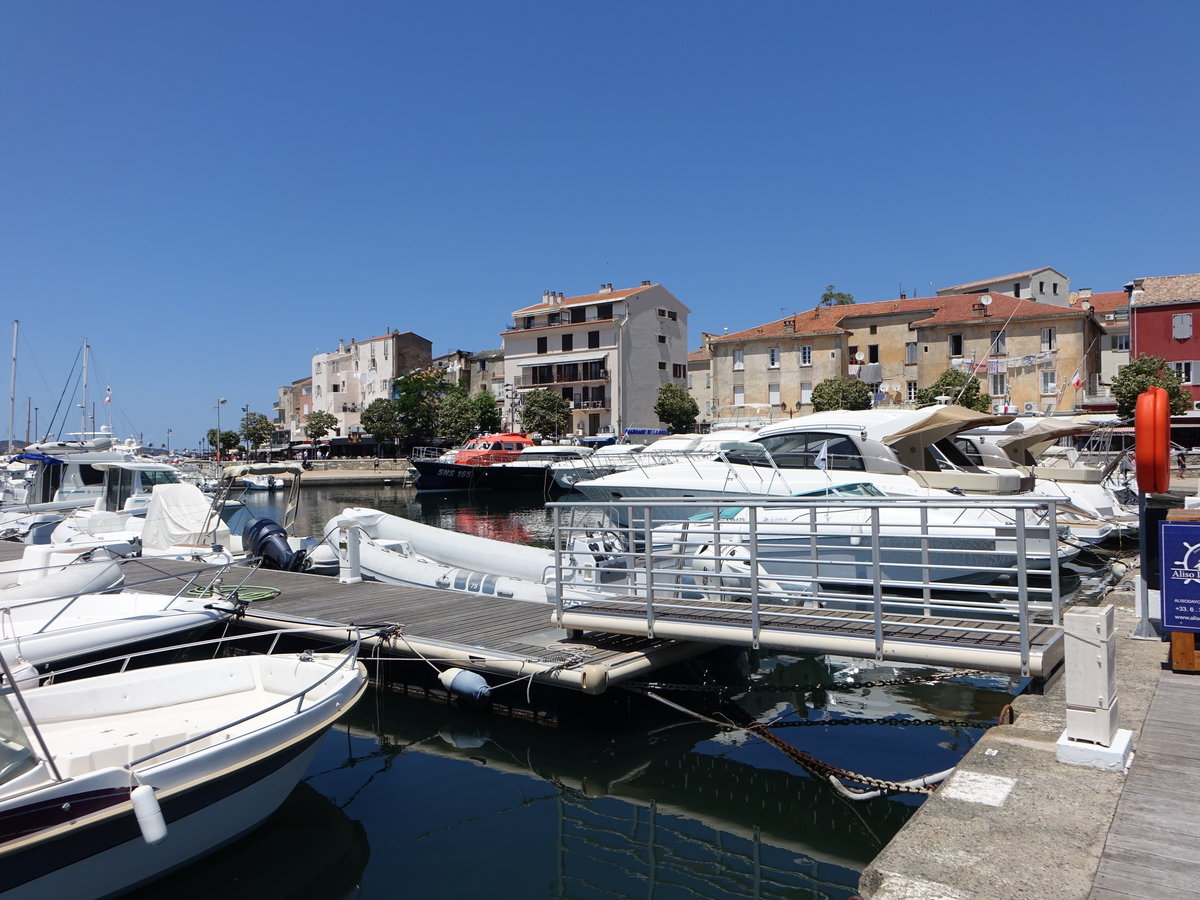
<point x="545" y="412"/>
<point x="257" y="429"/>
<point x="457" y="416"/>
<point x="963" y="389"/>
<point x="319" y="423"/>
<point x="487" y="416"/>
<point x="381" y="420"/>
<point x="841" y="392"/>
<point x="229" y="440"/>
<point x="418" y="396"/>
<point x="1142" y="372"/>
<point x="676" y="408"/>
<point x="834" y="297"/>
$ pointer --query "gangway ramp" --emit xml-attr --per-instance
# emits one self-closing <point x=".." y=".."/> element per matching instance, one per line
<point x="930" y="640"/>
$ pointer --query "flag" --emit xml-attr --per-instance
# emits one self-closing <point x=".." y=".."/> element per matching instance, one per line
<point x="1076" y="381"/>
<point x="108" y="395"/>
<point x="822" y="460"/>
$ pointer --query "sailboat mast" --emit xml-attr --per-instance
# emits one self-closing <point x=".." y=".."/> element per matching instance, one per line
<point x="12" y="390"/>
<point x="83" y="405"/>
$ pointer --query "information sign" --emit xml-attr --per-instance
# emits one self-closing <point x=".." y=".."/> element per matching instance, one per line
<point x="1179" y="546"/>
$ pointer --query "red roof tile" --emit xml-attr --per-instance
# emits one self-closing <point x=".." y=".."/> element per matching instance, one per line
<point x="582" y="298"/>
<point x="1169" y="289"/>
<point x="1107" y="301"/>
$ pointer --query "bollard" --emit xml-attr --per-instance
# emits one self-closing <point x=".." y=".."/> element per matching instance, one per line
<point x="1092" y="737"/>
<point x="350" y="570"/>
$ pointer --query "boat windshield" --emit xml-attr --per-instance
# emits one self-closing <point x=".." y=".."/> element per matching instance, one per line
<point x="855" y="489"/>
<point x="800" y="450"/>
<point x="16" y="755"/>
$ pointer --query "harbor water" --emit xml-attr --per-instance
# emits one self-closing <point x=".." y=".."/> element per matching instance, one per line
<point x="420" y="798"/>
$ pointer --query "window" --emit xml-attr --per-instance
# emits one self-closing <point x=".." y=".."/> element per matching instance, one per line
<point x="678" y="370"/>
<point x="1054" y="287"/>
<point x="801" y="449"/>
<point x="672" y="315"/>
<point x="954" y="344"/>
<point x="999" y="344"/>
<point x="578" y="315"/>
<point x="662" y="313"/>
<point x="593" y="340"/>
<point x="1049" y="381"/>
<point x="1183" y="370"/>
<point x="772" y="357"/>
<point x="1120" y="342"/>
<point x="568" y="342"/>
<point x="541" y="345"/>
<point x="708" y="380"/>
<point x="910" y="391"/>
<point x="1017" y="289"/>
<point x="662" y="338"/>
<point x="806" y="354"/>
<point x="873" y="329"/>
<point x="910" y="354"/>
<point x="483" y="365"/>
<point x="773" y="394"/>
<point x="527" y="322"/>
<point x="739" y="395"/>
<point x="872" y="353"/>
<point x="662" y="365"/>
<point x="603" y="310"/>
<point x="739" y="360"/>
<point x="806" y="392"/>
<point x="1181" y="326"/>
<point x="1048" y="339"/>
<point x="999" y="384"/>
<point x="852" y="352"/>
<point x="1041" y="287"/>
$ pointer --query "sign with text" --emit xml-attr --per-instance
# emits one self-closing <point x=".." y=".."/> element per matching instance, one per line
<point x="1179" y="546"/>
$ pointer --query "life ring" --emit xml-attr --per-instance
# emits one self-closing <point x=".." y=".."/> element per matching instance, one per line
<point x="1152" y="441"/>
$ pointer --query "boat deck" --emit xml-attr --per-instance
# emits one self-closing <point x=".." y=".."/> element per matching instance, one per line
<point x="511" y="639"/>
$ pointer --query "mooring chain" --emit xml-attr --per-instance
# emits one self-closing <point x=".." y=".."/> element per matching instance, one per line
<point x="882" y="720"/>
<point x="762" y="687"/>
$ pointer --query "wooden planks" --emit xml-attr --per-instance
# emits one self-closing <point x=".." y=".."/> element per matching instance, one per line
<point x="1153" y="845"/>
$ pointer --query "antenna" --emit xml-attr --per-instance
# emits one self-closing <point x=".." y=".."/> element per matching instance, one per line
<point x="986" y="299"/>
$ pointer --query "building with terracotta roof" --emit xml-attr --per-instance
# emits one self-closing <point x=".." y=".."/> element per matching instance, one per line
<point x="699" y="378"/>
<point x="607" y="353"/>
<point x="1164" y="312"/>
<point x="1046" y="285"/>
<point x="1031" y="356"/>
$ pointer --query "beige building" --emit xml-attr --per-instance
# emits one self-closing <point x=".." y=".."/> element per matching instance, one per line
<point x="699" y="379"/>
<point x="607" y="353"/>
<point x="349" y="379"/>
<point x="1030" y="356"/>
<point x="1045" y="285"/>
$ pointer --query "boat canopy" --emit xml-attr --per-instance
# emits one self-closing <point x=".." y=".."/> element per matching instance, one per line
<point x="944" y="422"/>
<point x="37" y="457"/>
<point x="1026" y="447"/>
<point x="244" y="469"/>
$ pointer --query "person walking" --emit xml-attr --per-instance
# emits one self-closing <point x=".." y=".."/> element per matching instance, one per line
<point x="1181" y="457"/>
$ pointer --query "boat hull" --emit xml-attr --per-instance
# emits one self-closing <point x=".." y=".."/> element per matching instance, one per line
<point x="433" y="475"/>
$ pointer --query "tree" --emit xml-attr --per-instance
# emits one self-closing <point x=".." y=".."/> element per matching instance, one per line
<point x="381" y="420"/>
<point x="676" y="408"/>
<point x="841" y="392"/>
<point x="457" y="416"/>
<point x="257" y="429"/>
<point x="1148" y="371"/>
<point x="319" y="423"/>
<point x="834" y="297"/>
<point x="417" y="396"/>
<point x="487" y="415"/>
<point x="229" y="440"/>
<point x="546" y="412"/>
<point x="963" y="389"/>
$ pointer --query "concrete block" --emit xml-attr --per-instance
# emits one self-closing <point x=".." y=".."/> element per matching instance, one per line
<point x="1113" y="758"/>
<point x="1093" y="725"/>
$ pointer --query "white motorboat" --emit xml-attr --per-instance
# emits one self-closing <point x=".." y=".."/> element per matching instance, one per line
<point x="111" y="781"/>
<point x="50" y="630"/>
<point x="263" y="482"/>
<point x="903" y="453"/>
<point x="126" y="492"/>
<point x="673" y="448"/>
<point x="44" y="571"/>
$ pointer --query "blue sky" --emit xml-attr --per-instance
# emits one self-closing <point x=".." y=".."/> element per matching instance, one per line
<point x="210" y="192"/>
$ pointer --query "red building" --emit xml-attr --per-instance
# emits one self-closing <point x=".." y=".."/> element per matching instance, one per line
<point x="1164" y="318"/>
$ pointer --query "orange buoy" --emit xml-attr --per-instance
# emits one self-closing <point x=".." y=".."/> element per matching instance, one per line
<point x="1152" y="440"/>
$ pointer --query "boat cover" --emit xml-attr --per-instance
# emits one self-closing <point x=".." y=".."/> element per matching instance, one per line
<point x="944" y="422"/>
<point x="1027" y="446"/>
<point x="178" y="515"/>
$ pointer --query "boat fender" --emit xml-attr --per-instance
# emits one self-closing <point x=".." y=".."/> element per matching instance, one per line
<point x="149" y="814"/>
<point x="593" y="678"/>
<point x="468" y="685"/>
<point x="24" y="673"/>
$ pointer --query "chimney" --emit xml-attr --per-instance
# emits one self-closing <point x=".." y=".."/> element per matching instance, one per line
<point x="1085" y="293"/>
<point x="606" y="288"/>
<point x="789" y="326"/>
<point x="903" y="296"/>
<point x="645" y="284"/>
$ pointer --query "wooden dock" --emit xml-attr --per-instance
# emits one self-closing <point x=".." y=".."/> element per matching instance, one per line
<point x="508" y="639"/>
<point x="928" y="640"/>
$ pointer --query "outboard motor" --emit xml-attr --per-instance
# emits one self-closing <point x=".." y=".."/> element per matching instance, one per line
<point x="266" y="539"/>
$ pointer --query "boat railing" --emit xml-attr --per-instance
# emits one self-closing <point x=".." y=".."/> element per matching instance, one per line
<point x="211" y="648"/>
<point x="972" y="562"/>
<point x="428" y="452"/>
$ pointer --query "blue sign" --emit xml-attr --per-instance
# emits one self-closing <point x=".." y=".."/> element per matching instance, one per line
<point x="1179" y="546"/>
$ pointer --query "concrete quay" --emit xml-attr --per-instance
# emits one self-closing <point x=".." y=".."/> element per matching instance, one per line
<point x="1015" y="822"/>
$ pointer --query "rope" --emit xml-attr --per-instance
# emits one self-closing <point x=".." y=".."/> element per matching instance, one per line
<point x="249" y="592"/>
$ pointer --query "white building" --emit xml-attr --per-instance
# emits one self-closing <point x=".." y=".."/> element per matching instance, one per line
<point x="1045" y="285"/>
<point x="349" y="379"/>
<point x="608" y="353"/>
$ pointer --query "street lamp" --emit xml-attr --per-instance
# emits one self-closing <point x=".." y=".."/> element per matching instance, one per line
<point x="220" y="402"/>
<point x="168" y="442"/>
<point x="246" y="412"/>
